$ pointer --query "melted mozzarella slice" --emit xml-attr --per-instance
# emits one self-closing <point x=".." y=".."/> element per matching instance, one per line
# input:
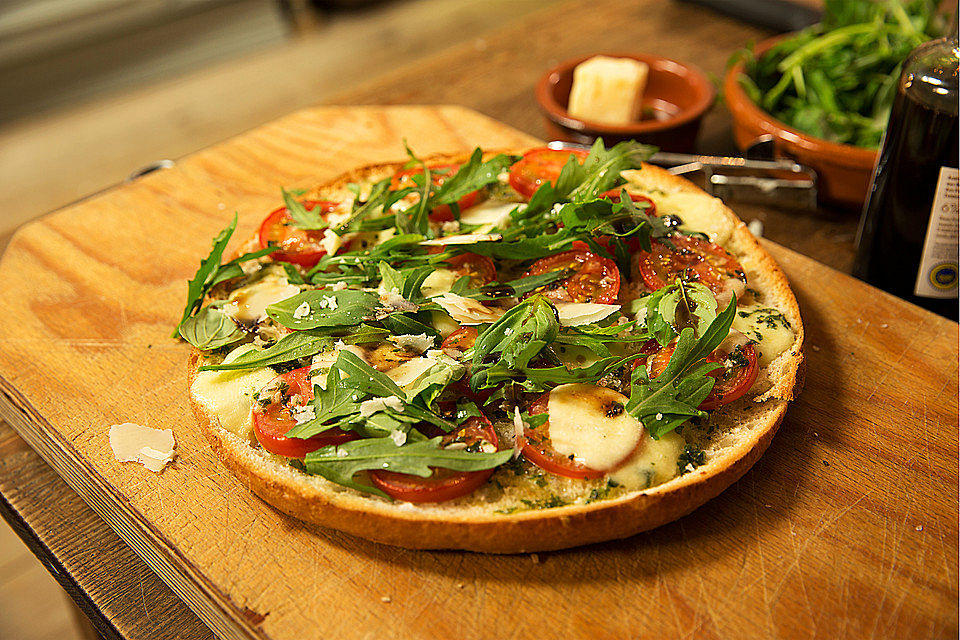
<point x="229" y="394"/>
<point x="654" y="462"/>
<point x="491" y="213"/>
<point x="574" y="314"/>
<point x="248" y="304"/>
<point x="768" y="328"/>
<point x="591" y="424"/>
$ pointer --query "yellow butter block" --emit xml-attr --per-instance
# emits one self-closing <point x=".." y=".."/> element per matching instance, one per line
<point x="608" y="90"/>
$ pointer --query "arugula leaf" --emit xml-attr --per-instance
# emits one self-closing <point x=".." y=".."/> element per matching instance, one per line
<point x="341" y="463"/>
<point x="670" y="306"/>
<point x="293" y="275"/>
<point x="361" y="376"/>
<point x="324" y="308"/>
<point x="300" y="216"/>
<point x="331" y="404"/>
<point x="539" y="379"/>
<point x="230" y="270"/>
<point x="377" y="199"/>
<point x="518" y="334"/>
<point x="472" y="176"/>
<point x="406" y="282"/>
<point x="210" y="329"/>
<point x="417" y="220"/>
<point x="198" y="286"/>
<point x="292" y="346"/>
<point x="600" y="170"/>
<point x="667" y="401"/>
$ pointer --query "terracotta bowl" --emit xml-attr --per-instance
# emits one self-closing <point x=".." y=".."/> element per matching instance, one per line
<point x="676" y="97"/>
<point x="843" y="171"/>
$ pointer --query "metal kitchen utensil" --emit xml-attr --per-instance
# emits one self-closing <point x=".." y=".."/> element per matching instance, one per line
<point x="773" y="182"/>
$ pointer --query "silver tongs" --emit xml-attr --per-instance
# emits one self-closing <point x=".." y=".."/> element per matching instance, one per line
<point x="758" y="178"/>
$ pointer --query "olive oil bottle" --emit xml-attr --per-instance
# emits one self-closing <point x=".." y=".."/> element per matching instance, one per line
<point x="907" y="242"/>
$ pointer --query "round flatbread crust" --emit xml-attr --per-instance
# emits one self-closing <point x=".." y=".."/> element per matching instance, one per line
<point x="480" y="528"/>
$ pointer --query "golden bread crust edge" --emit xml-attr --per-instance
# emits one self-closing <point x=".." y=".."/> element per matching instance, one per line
<point x="318" y="501"/>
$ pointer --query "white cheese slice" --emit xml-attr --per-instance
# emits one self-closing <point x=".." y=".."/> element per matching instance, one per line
<point x="768" y="328"/>
<point x="654" y="462"/>
<point x="153" y="448"/>
<point x="467" y="238"/>
<point x="406" y="373"/>
<point x="491" y="213"/>
<point x="574" y="314"/>
<point x="417" y="343"/>
<point x="229" y="394"/>
<point x="439" y="281"/>
<point x="608" y="90"/>
<point x="331" y="242"/>
<point x="248" y="304"/>
<point x="373" y="405"/>
<point x="591" y="424"/>
<point x="444" y="324"/>
<point x="467" y="310"/>
<point x="323" y="361"/>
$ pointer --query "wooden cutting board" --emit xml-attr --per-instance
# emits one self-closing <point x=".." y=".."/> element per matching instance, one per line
<point x="847" y="527"/>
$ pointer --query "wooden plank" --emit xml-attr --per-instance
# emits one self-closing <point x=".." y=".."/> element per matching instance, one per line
<point x="821" y="538"/>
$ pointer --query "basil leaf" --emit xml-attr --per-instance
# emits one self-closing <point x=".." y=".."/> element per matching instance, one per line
<point x="324" y="308"/>
<point x="341" y="463"/>
<point x="198" y="286"/>
<point x="667" y="401"/>
<point x="210" y="329"/>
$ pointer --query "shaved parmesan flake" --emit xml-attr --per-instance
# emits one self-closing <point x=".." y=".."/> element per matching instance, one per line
<point x="574" y="314"/>
<point x="373" y="405"/>
<point x="304" y="414"/>
<point x="395" y="301"/>
<point x="407" y="373"/>
<point x="153" y="448"/>
<point x="302" y="311"/>
<point x="517" y="432"/>
<point x="331" y="242"/>
<point x="468" y="238"/>
<point x="467" y="310"/>
<point x="418" y="343"/>
<point x="399" y="438"/>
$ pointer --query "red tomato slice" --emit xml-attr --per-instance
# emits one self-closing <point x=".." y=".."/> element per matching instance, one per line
<point x="272" y="422"/>
<point x="694" y="260"/>
<point x="444" y="484"/>
<point x="298" y="246"/>
<point x="480" y="269"/>
<point x="647" y="349"/>
<point x="460" y="340"/>
<point x="438" y="175"/>
<point x="538" y="449"/>
<point x="731" y="382"/>
<point x="539" y="166"/>
<point x="595" y="279"/>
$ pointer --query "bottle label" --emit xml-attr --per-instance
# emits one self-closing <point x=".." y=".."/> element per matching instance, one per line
<point x="939" y="271"/>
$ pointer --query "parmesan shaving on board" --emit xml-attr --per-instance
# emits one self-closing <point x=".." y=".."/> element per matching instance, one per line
<point x="153" y="448"/>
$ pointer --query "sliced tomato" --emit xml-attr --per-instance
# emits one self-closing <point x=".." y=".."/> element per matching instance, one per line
<point x="460" y="340"/>
<point x="594" y="279"/>
<point x="443" y="484"/>
<point x="693" y="260"/>
<point x="272" y="422"/>
<point x="438" y="175"/>
<point x="539" y="166"/>
<point x="480" y="269"/>
<point x="538" y="448"/>
<point x="647" y="349"/>
<point x="732" y="382"/>
<point x="295" y="245"/>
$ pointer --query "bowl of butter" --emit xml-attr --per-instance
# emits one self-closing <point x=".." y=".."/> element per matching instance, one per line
<point x="625" y="96"/>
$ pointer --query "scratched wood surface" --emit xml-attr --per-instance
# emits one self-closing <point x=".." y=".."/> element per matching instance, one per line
<point x="847" y="527"/>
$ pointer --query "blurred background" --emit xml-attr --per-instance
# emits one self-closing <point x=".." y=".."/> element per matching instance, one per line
<point x="92" y="90"/>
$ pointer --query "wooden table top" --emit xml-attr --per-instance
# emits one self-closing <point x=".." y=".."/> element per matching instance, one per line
<point x="494" y="75"/>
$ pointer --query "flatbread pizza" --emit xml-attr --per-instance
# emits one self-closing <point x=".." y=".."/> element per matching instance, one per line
<point x="501" y="352"/>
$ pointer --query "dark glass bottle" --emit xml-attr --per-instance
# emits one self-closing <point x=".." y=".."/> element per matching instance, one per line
<point x="907" y="242"/>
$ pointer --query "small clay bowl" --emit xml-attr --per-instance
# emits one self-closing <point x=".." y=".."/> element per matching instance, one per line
<point x="674" y="101"/>
<point x="843" y="170"/>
